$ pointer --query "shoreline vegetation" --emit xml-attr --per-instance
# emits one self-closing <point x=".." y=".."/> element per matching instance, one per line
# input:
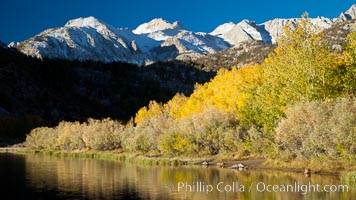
<point x="255" y="163"/>
<point x="297" y="108"/>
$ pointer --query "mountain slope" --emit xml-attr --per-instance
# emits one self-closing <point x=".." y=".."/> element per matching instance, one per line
<point x="191" y="45"/>
<point x="59" y="90"/>
<point x="89" y="39"/>
<point x="243" y="53"/>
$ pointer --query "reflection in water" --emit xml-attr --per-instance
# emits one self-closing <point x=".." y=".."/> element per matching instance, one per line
<point x="66" y="178"/>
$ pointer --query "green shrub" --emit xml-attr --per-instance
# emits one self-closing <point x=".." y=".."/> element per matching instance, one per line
<point x="174" y="144"/>
<point x="319" y="129"/>
<point x="136" y="141"/>
<point x="197" y="134"/>
<point x="349" y="178"/>
<point x="94" y="134"/>
<point x="42" y="138"/>
<point x="260" y="143"/>
<point x="70" y="136"/>
<point x="102" y="134"/>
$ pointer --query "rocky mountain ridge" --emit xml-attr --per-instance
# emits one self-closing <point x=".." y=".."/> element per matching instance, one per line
<point x="91" y="39"/>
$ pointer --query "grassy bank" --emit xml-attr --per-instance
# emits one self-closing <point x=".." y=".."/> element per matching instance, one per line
<point x="316" y="166"/>
<point x="349" y="178"/>
<point x="110" y="155"/>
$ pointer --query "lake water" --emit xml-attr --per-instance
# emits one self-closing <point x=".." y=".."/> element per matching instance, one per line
<point x="46" y="177"/>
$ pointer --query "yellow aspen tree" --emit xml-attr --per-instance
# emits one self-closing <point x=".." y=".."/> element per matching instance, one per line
<point x="302" y="67"/>
<point x="350" y="59"/>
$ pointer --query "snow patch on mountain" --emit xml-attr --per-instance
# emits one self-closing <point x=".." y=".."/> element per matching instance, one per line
<point x="275" y="26"/>
<point x="267" y="32"/>
<point x="199" y="43"/>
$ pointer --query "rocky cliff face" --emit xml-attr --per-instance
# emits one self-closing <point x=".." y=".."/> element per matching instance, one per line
<point x="348" y="15"/>
<point x="252" y="51"/>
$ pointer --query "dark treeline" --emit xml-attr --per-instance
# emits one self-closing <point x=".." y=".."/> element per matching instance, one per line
<point x="35" y="92"/>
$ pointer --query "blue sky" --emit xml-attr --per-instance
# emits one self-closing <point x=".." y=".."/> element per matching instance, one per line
<point x="21" y="19"/>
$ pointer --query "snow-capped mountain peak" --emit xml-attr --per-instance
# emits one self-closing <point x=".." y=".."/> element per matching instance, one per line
<point x="223" y="28"/>
<point x="246" y="22"/>
<point x="91" y="22"/>
<point x="242" y="31"/>
<point x="159" y="29"/>
<point x="349" y="14"/>
<point x="85" y="22"/>
<point x="352" y="11"/>
<point x="157" y="24"/>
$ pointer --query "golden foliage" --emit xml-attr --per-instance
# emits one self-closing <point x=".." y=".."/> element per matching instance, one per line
<point x="228" y="91"/>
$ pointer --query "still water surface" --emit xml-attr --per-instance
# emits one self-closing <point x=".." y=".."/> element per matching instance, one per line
<point x="46" y="177"/>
